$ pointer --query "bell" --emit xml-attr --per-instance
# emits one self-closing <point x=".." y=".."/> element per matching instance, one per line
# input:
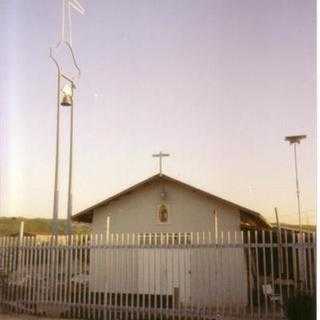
<point x="66" y="100"/>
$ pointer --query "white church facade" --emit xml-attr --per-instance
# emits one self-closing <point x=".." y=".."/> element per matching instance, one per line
<point x="161" y="205"/>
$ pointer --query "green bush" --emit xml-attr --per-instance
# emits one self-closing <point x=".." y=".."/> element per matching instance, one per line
<point x="302" y="306"/>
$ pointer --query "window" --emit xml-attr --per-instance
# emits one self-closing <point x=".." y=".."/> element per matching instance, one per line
<point x="163" y="214"/>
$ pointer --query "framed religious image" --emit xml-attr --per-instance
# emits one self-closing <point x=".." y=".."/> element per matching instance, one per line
<point x="163" y="214"/>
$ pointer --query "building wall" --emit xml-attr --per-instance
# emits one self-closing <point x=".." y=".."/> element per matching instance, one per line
<point x="186" y="269"/>
<point x="189" y="211"/>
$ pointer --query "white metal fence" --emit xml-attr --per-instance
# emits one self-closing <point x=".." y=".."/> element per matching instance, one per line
<point x="198" y="275"/>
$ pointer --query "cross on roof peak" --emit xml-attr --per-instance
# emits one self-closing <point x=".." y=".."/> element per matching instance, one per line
<point x="160" y="155"/>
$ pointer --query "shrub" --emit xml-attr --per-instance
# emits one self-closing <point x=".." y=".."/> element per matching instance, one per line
<point x="302" y="306"/>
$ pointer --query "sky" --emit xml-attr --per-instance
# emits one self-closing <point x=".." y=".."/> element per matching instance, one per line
<point x="217" y="84"/>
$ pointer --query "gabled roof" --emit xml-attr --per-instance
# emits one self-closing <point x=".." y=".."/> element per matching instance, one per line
<point x="87" y="214"/>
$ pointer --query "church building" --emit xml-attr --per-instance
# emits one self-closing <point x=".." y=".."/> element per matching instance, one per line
<point x="162" y="205"/>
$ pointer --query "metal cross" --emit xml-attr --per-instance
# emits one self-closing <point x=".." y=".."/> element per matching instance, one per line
<point x="66" y="18"/>
<point x="160" y="155"/>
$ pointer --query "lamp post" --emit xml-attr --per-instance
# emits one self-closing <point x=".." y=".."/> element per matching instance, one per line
<point x="301" y="253"/>
<point x="296" y="140"/>
<point x="64" y="99"/>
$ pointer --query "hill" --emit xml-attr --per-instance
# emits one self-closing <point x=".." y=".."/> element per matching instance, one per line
<point x="11" y="225"/>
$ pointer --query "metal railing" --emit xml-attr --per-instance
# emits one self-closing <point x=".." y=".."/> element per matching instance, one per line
<point x="198" y="275"/>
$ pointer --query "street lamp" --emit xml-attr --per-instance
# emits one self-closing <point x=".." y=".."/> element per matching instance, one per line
<point x="296" y="140"/>
<point x="65" y="99"/>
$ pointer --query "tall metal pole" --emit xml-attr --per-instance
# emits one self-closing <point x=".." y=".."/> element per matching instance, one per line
<point x="301" y="253"/>
<point x="56" y="172"/>
<point x="297" y="186"/>
<point x="77" y="6"/>
<point x="69" y="226"/>
<point x="295" y="140"/>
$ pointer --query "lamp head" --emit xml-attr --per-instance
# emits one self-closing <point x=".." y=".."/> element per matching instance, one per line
<point x="295" y="139"/>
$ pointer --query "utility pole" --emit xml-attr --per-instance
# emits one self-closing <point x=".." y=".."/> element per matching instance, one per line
<point x="296" y="140"/>
<point x="301" y="252"/>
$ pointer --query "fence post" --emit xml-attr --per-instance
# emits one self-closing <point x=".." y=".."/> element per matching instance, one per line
<point x="280" y="264"/>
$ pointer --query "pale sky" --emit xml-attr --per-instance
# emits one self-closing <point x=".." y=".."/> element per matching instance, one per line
<point x="217" y="84"/>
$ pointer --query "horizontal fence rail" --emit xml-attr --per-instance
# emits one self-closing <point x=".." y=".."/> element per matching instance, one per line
<point x="201" y="275"/>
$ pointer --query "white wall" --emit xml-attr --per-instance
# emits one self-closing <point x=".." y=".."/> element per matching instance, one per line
<point x="204" y="276"/>
<point x="188" y="211"/>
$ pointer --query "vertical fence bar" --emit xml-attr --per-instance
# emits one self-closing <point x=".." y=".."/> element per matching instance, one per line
<point x="107" y="276"/>
<point x="66" y="275"/>
<point x="197" y="272"/>
<point x="143" y="273"/>
<point x="229" y="268"/>
<point x="29" y="272"/>
<point x="127" y="276"/>
<point x="34" y="274"/>
<point x="242" y="253"/>
<point x="216" y="266"/>
<point x="94" y="290"/>
<point x="223" y="278"/>
<point x="12" y="278"/>
<point x="309" y="262"/>
<point x="71" y="273"/>
<point x="210" y="277"/>
<point x="133" y="275"/>
<point x="56" y="271"/>
<point x="79" y="276"/>
<point x="46" y="273"/>
<point x="88" y="262"/>
<point x="314" y="256"/>
<point x="1" y="272"/>
<point x="304" y="257"/>
<point x="14" y="303"/>
<point x="272" y="270"/>
<point x="250" y="273"/>
<point x="258" y="273"/>
<point x="149" y="272"/>
<point x="294" y="261"/>
<point x="61" y="303"/>
<point x="287" y="262"/>
<point x="280" y="264"/>
<point x="173" y="250"/>
<point x="183" y="279"/>
<point x="9" y="295"/>
<point x="18" y="274"/>
<point x="237" y="289"/>
<point x="8" y="273"/>
<point x="112" y="277"/>
<point x="264" y="270"/>
<point x="101" y="271"/>
<point x="69" y="278"/>
<point x="5" y="272"/>
<point x="167" y="286"/>
<point x="120" y="277"/>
